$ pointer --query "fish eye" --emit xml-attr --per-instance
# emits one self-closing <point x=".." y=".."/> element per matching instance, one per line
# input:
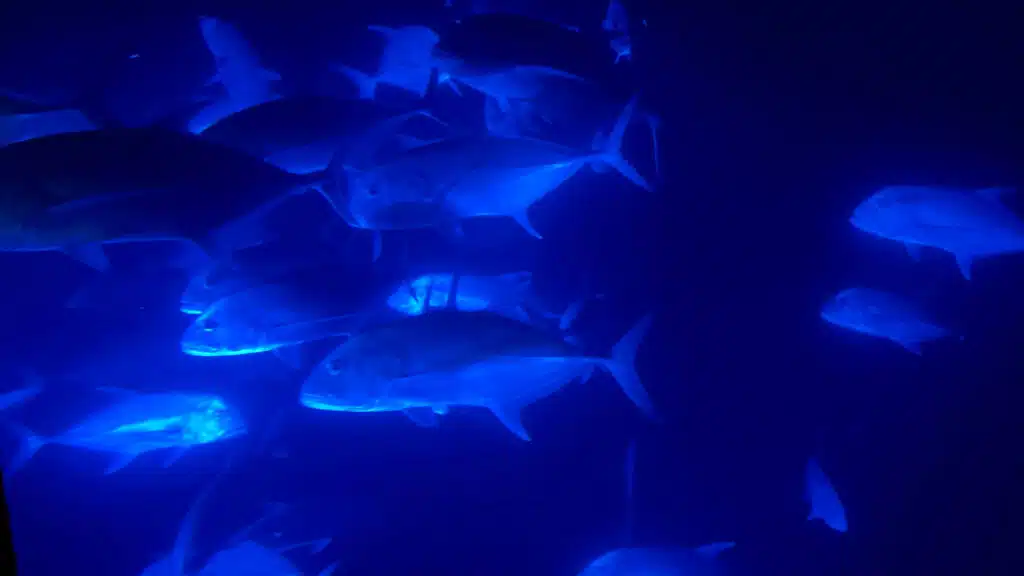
<point x="334" y="365"/>
<point x="209" y="325"/>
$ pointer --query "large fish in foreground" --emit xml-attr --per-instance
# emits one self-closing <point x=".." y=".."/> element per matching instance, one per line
<point x="883" y="315"/>
<point x="670" y="561"/>
<point x="967" y="224"/>
<point x="74" y="192"/>
<point x="458" y="178"/>
<point x="137" y="423"/>
<point x="423" y="365"/>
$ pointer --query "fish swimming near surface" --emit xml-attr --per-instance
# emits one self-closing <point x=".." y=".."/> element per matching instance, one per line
<point x="702" y="561"/>
<point x="458" y="178"/>
<point x="884" y="315"/>
<point x="137" y="423"/>
<point x="967" y="224"/>
<point x="75" y="192"/>
<point x="424" y="364"/>
<point x="823" y="499"/>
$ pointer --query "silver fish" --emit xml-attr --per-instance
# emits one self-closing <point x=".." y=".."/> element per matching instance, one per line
<point x="423" y="364"/>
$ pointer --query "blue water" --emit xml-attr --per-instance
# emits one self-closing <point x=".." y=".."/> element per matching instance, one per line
<point x="776" y="123"/>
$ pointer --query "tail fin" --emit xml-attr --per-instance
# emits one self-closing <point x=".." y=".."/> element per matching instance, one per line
<point x="30" y="443"/>
<point x="621" y="365"/>
<point x="611" y="150"/>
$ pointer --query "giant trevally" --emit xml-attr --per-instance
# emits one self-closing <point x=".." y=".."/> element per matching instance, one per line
<point x="74" y="192"/>
<point x="424" y="364"/>
<point x="136" y="423"/>
<point x="822" y="498"/>
<point x="303" y="305"/>
<point x="702" y="561"/>
<point x="884" y="315"/>
<point x="487" y="175"/>
<point x="302" y="134"/>
<point x="967" y="224"/>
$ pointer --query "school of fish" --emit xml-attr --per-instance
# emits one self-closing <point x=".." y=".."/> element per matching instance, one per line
<point x="432" y="336"/>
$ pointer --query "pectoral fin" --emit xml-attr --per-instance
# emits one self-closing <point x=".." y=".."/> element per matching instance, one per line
<point x="510" y="417"/>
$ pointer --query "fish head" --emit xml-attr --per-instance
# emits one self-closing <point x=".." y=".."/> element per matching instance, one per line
<point x="350" y="380"/>
<point x="213" y="334"/>
<point x="213" y="420"/>
<point x="888" y="212"/>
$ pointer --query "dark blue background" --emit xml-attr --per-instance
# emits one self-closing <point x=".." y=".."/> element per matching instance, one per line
<point x="777" y="120"/>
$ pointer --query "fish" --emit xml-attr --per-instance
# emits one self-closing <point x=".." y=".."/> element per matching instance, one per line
<point x="238" y="66"/>
<point x="441" y="183"/>
<point x="702" y="561"/>
<point x="883" y="315"/>
<point x="136" y="423"/>
<point x="21" y="127"/>
<point x="504" y="292"/>
<point x="302" y="305"/>
<point x="314" y="127"/>
<point x="75" y="192"/>
<point x="33" y="386"/>
<point x="969" y="224"/>
<point x="823" y="499"/>
<point x="406" y="61"/>
<point x="422" y="365"/>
